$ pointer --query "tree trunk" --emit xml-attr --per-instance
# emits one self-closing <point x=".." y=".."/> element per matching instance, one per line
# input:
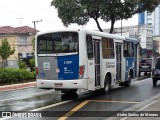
<point x="98" y="25"/>
<point x="112" y="24"/>
<point x="3" y="63"/>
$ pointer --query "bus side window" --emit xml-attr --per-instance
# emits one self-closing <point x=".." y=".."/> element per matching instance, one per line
<point x="128" y="49"/>
<point x="107" y="48"/>
<point x="89" y="47"/>
<point x="125" y="49"/>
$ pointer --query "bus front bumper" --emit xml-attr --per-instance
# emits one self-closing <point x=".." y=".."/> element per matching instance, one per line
<point x="62" y="84"/>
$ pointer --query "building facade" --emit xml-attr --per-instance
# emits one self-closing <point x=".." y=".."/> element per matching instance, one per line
<point x="19" y="38"/>
<point x="144" y="33"/>
<point x="152" y="19"/>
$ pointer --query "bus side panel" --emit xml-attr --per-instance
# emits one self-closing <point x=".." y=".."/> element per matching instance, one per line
<point x="68" y="67"/>
<point x="109" y="66"/>
<point x="129" y="64"/>
<point x="91" y="75"/>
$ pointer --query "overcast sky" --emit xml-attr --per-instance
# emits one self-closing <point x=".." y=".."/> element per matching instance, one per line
<point x="17" y="13"/>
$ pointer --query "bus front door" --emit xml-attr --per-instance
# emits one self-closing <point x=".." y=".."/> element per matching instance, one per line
<point x="93" y="51"/>
<point x="118" y="61"/>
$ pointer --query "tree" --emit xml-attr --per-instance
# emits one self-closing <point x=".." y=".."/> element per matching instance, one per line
<point x="80" y="11"/>
<point x="111" y="10"/>
<point x="5" y="51"/>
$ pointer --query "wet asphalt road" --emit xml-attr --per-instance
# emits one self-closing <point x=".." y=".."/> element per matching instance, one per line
<point x="118" y="99"/>
<point x="27" y="99"/>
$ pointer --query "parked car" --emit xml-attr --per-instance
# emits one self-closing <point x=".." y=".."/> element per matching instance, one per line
<point x="156" y="72"/>
<point x="145" y="65"/>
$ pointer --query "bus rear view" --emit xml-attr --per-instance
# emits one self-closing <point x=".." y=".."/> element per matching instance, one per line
<point x="57" y="61"/>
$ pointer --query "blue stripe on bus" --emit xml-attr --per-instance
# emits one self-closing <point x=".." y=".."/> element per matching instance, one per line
<point x="131" y="61"/>
<point x="68" y="66"/>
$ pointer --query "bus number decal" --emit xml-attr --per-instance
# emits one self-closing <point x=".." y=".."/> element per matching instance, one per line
<point x="67" y="62"/>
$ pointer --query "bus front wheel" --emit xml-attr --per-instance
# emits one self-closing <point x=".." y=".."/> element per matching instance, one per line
<point x="107" y="86"/>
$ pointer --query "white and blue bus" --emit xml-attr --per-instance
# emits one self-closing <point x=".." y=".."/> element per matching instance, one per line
<point x="72" y="59"/>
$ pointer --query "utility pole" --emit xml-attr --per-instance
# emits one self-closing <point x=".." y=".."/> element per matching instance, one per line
<point x="35" y="22"/>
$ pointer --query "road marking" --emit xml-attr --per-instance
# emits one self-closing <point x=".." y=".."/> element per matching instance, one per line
<point x="49" y="106"/>
<point x="141" y="81"/>
<point x="38" y="109"/>
<point x="115" y="101"/>
<point x="64" y="117"/>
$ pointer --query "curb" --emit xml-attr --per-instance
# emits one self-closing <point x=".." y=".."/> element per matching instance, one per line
<point x="17" y="86"/>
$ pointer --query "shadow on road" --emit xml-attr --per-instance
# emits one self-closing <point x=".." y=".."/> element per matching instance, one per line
<point x="69" y="96"/>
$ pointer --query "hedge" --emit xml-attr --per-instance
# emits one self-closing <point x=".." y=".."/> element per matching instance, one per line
<point x="10" y="75"/>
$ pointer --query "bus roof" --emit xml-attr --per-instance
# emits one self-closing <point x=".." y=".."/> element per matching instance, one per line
<point x="132" y="39"/>
<point x="92" y="32"/>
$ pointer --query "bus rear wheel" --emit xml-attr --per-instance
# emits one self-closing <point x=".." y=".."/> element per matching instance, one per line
<point x="128" y="82"/>
<point x="69" y="91"/>
<point x="107" y="86"/>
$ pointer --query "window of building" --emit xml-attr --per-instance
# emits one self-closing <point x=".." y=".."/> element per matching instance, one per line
<point x="22" y="40"/>
<point x="108" y="48"/>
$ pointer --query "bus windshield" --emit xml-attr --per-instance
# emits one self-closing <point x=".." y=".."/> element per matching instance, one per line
<point x="59" y="42"/>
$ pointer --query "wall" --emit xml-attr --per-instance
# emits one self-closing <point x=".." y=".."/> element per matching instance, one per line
<point x="14" y="43"/>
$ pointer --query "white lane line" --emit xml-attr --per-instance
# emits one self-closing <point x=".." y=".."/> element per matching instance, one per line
<point x="42" y="108"/>
<point x="31" y="95"/>
<point x="53" y="105"/>
<point x="141" y="81"/>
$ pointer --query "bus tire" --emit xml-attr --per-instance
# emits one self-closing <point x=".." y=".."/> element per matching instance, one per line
<point x="128" y="82"/>
<point x="107" y="84"/>
<point x="69" y="91"/>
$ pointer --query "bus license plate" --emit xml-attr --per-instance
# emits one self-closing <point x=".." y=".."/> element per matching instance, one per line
<point x="58" y="84"/>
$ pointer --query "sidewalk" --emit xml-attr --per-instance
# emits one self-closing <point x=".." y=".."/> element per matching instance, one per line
<point x="17" y="86"/>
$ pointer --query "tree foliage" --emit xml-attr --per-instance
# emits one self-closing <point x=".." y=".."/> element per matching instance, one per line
<point x="80" y="11"/>
<point x="5" y="51"/>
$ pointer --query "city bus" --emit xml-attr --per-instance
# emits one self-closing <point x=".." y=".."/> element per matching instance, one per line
<point x="72" y="59"/>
